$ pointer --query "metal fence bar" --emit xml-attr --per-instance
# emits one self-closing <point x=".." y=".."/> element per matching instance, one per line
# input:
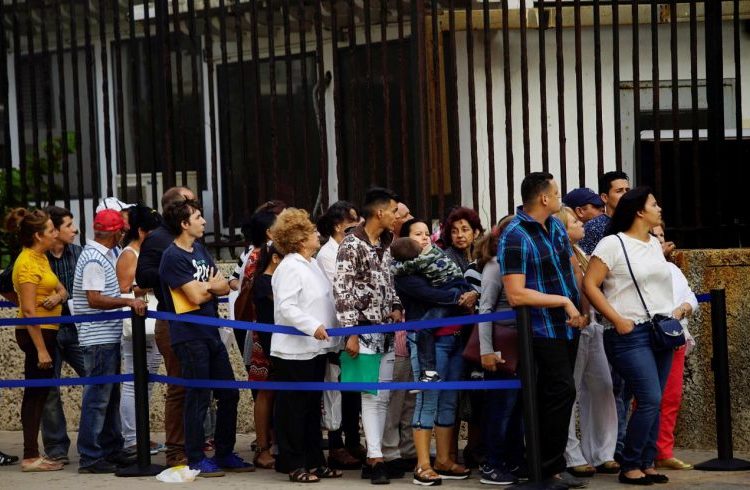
<point x="714" y="50"/>
<point x="272" y="81"/>
<point x="93" y="143"/>
<point x="77" y="119"/>
<point x="636" y="83"/>
<point x="579" y="95"/>
<point x="152" y="101"/>
<point x="737" y="69"/>
<point x="419" y="70"/>
<point x="179" y="152"/>
<point x="165" y="97"/>
<point x="694" y="112"/>
<point x="289" y="96"/>
<point x="321" y="100"/>
<point x="437" y="162"/>
<point x="31" y="66"/>
<point x="598" y="88"/>
<point x="560" y="57"/>
<point x="676" y="170"/>
<point x="22" y="169"/>
<point x="655" y="86"/>
<point x="541" y="27"/>
<point x="472" y="105"/>
<point x="525" y="89"/>
<point x="210" y="122"/>
<point x="508" y="106"/>
<point x="122" y="164"/>
<point x="262" y="176"/>
<point x="105" y="97"/>
<point x="62" y="103"/>
<point x="616" y="82"/>
<point x="490" y="112"/>
<point x="195" y="50"/>
<point x="387" y="157"/>
<point x="47" y="84"/>
<point x="452" y="81"/>
<point x="302" y="27"/>
<point x="403" y="55"/>
<point x="337" y="97"/>
<point x="225" y="127"/>
<point x="354" y="160"/>
<point x="368" y="91"/>
<point x="136" y="102"/>
<point x="4" y="96"/>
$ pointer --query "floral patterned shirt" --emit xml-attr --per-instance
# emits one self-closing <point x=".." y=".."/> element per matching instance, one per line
<point x="363" y="287"/>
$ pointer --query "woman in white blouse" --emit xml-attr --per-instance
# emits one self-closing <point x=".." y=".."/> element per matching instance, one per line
<point x="302" y="299"/>
<point x="627" y="335"/>
<point x="339" y="217"/>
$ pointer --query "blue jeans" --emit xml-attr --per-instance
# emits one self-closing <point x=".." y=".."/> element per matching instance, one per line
<point x="438" y="408"/>
<point x="99" y="434"/>
<point x="502" y="426"/>
<point x="207" y="359"/>
<point x="54" y="427"/>
<point x="645" y="374"/>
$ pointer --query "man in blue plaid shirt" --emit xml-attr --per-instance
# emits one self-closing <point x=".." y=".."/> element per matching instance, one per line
<point x="536" y="262"/>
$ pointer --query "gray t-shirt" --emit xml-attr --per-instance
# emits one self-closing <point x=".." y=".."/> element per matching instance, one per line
<point x="492" y="300"/>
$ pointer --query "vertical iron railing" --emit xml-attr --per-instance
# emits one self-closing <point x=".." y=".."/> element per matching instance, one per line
<point x="106" y="92"/>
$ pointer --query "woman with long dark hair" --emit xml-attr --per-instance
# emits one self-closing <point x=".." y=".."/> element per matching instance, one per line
<point x="627" y="324"/>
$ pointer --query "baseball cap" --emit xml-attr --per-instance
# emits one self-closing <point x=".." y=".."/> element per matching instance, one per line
<point x="113" y="203"/>
<point x="108" y="220"/>
<point x="581" y="197"/>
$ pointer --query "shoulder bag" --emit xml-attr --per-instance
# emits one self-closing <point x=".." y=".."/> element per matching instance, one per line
<point x="666" y="332"/>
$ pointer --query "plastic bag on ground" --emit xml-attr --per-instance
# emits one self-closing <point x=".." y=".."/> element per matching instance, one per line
<point x="177" y="474"/>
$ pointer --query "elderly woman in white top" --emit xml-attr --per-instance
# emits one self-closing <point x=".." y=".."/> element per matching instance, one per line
<point x="684" y="300"/>
<point x="627" y="335"/>
<point x="302" y="299"/>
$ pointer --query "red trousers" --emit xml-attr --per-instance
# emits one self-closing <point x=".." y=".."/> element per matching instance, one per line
<point x="670" y="406"/>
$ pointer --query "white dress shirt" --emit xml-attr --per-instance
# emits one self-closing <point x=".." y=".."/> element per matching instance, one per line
<point x="326" y="258"/>
<point x="303" y="299"/>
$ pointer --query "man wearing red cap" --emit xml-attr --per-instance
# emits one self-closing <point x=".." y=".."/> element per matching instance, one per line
<point x="96" y="290"/>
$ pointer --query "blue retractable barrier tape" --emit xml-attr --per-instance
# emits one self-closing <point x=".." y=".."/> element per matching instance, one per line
<point x="93" y="380"/>
<point x="109" y="315"/>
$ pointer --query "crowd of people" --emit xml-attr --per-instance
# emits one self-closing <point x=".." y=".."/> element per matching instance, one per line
<point x="593" y="268"/>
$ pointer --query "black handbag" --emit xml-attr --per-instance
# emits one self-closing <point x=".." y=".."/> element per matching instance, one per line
<point x="666" y="332"/>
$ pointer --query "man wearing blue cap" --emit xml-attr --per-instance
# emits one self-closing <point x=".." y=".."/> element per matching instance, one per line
<point x="585" y="203"/>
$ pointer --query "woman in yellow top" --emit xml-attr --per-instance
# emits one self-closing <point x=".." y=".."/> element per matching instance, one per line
<point x="40" y="294"/>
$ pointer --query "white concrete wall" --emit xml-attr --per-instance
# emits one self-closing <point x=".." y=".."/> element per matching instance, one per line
<point x="589" y="107"/>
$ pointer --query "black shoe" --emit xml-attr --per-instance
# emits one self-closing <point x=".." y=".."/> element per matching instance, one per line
<point x="395" y="469"/>
<point x="658" y="478"/>
<point x="406" y="464"/>
<point x="7" y="459"/>
<point x="643" y="481"/>
<point x="122" y="458"/>
<point x="571" y="481"/>
<point x="379" y="474"/>
<point x="521" y="472"/>
<point x="99" y="468"/>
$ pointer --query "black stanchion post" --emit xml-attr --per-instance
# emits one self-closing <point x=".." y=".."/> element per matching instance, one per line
<point x="143" y="467"/>
<point x="720" y="365"/>
<point x="528" y="391"/>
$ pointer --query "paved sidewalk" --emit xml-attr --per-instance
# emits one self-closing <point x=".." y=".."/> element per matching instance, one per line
<point x="11" y="477"/>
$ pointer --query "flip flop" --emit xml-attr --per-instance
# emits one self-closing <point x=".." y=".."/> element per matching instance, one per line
<point x="41" y="464"/>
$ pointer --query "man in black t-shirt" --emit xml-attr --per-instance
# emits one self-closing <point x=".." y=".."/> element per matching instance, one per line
<point x="190" y="283"/>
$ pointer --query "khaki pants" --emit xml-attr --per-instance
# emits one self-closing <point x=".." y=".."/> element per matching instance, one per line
<point x="174" y="424"/>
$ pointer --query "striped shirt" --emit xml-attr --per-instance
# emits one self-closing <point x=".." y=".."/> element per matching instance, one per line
<point x="543" y="257"/>
<point x="95" y="262"/>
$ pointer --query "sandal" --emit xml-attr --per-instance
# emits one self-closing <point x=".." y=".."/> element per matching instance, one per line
<point x="268" y="465"/>
<point x="7" y="459"/>
<point x="426" y="477"/>
<point x="301" y="475"/>
<point x="326" y="472"/>
<point x="41" y="464"/>
<point x="455" y="472"/>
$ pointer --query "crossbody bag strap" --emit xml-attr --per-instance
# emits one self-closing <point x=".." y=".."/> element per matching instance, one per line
<point x="630" y="269"/>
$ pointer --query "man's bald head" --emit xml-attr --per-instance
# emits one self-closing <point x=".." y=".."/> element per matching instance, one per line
<point x="174" y="194"/>
<point x="403" y="214"/>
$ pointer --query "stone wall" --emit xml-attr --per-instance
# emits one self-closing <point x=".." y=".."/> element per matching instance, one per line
<point x="705" y="269"/>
